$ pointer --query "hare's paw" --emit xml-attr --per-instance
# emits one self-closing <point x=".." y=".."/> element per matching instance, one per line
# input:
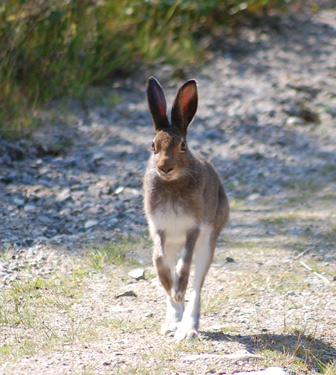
<point x="169" y="328"/>
<point x="177" y="296"/>
<point x="185" y="332"/>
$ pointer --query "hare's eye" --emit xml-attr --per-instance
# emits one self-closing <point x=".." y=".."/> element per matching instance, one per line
<point x="153" y="146"/>
<point x="183" y="145"/>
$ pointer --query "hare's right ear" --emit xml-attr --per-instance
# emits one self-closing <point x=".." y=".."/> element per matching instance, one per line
<point x="185" y="106"/>
<point x="157" y="104"/>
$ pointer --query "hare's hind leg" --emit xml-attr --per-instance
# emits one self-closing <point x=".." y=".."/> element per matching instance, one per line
<point x="204" y="252"/>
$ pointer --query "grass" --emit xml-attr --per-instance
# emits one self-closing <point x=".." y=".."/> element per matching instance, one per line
<point x="31" y="307"/>
<point x="328" y="368"/>
<point x="110" y="252"/>
<point x="60" y="48"/>
<point x="36" y="311"/>
<point x="39" y="312"/>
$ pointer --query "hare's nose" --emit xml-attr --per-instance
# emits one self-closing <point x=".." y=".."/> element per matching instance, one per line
<point x="166" y="170"/>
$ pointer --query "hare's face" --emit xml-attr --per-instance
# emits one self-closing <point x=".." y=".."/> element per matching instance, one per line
<point x="170" y="157"/>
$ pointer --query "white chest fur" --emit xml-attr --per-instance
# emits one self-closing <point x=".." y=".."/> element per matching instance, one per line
<point x="172" y="221"/>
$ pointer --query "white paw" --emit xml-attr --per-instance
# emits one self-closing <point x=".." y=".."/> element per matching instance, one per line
<point x="169" y="328"/>
<point x="185" y="332"/>
<point x="177" y="296"/>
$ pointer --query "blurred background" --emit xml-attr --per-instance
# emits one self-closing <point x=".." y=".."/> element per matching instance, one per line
<point x="55" y="48"/>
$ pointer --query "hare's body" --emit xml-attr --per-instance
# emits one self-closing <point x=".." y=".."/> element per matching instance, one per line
<point x="185" y="205"/>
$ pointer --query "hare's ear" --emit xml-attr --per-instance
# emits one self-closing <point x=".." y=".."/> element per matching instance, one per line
<point x="157" y="104"/>
<point x="185" y="106"/>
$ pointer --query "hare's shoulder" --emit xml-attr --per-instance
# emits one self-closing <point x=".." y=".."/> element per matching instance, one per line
<point x="209" y="171"/>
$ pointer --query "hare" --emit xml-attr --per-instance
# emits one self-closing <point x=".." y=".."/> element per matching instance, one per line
<point x="185" y="205"/>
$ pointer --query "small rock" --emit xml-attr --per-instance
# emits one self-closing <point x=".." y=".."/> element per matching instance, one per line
<point x="90" y="224"/>
<point x="253" y="197"/>
<point x="97" y="157"/>
<point x="19" y="202"/>
<point x="63" y="195"/>
<point x="28" y="242"/>
<point x="30" y="207"/>
<point x="119" y="190"/>
<point x="137" y="274"/>
<point x="293" y="120"/>
<point x="44" y="219"/>
<point x="229" y="259"/>
<point x="129" y="293"/>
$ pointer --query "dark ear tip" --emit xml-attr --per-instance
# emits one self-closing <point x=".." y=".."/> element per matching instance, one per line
<point x="152" y="80"/>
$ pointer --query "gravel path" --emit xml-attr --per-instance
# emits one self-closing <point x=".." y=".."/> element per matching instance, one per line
<point x="266" y="119"/>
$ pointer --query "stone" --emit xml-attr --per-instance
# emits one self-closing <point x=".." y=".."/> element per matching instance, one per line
<point x="63" y="195"/>
<point x="119" y="190"/>
<point x="30" y="207"/>
<point x="19" y="202"/>
<point x="129" y="293"/>
<point x="90" y="224"/>
<point x="137" y="274"/>
<point x="293" y="120"/>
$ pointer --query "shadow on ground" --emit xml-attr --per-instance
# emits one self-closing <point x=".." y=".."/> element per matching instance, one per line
<point x="314" y="352"/>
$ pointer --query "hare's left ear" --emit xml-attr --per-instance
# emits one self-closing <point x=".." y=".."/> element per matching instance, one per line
<point x="157" y="104"/>
<point x="185" y="106"/>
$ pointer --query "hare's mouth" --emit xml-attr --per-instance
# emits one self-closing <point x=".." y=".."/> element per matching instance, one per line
<point x="167" y="175"/>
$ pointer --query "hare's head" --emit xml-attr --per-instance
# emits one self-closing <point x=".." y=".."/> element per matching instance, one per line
<point x="171" y="154"/>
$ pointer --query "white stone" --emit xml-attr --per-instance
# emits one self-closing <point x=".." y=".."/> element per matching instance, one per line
<point x="90" y="224"/>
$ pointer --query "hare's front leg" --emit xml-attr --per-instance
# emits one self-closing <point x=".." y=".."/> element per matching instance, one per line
<point x="183" y="266"/>
<point x="204" y="252"/>
<point x="161" y="263"/>
<point x="164" y="261"/>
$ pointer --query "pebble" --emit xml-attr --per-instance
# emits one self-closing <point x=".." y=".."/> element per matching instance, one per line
<point x="129" y="293"/>
<point x="292" y="121"/>
<point x="90" y="224"/>
<point x="119" y="190"/>
<point x="30" y="207"/>
<point x="63" y="195"/>
<point x="19" y="202"/>
<point x="137" y="274"/>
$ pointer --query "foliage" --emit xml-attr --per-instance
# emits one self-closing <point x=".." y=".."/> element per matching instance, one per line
<point x="50" y="48"/>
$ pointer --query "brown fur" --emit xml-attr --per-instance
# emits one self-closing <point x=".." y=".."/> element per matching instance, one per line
<point x="183" y="185"/>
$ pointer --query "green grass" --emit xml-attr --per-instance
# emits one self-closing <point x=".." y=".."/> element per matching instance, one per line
<point x="51" y="49"/>
<point x="110" y="252"/>
<point x="38" y="311"/>
<point x="29" y="307"/>
<point x="328" y="368"/>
